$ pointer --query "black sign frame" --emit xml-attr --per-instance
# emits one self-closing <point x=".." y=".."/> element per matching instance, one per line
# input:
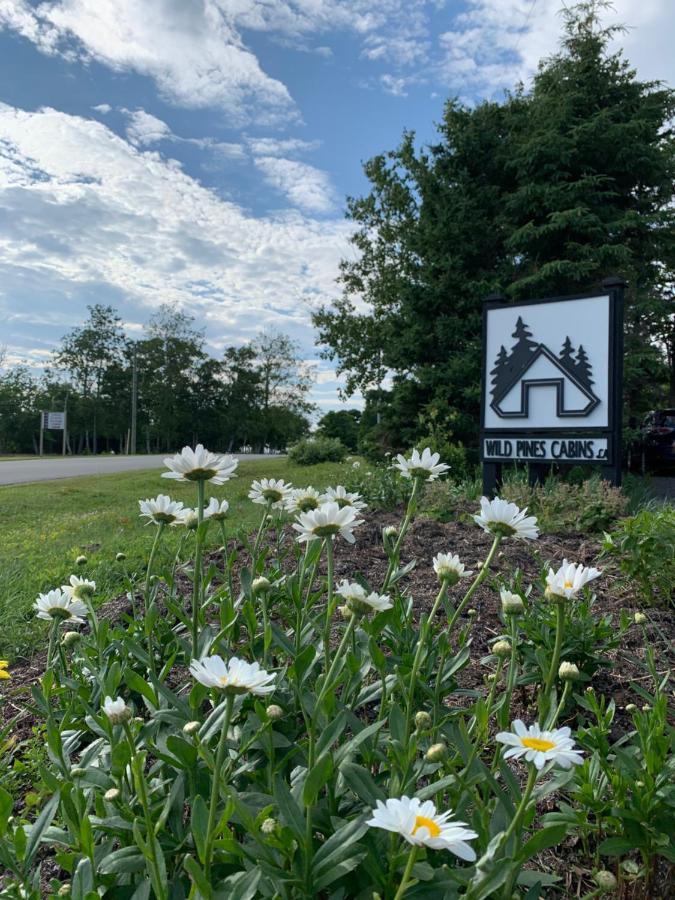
<point x="610" y="468"/>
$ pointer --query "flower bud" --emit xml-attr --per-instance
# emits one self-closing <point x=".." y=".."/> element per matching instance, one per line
<point x="70" y="638"/>
<point x="639" y="784"/>
<point x="120" y="557"/>
<point x="275" y="712"/>
<point x="631" y="868"/>
<point x="512" y="604"/>
<point x="436" y="753"/>
<point x="631" y="708"/>
<point x="64" y="890"/>
<point x="502" y="649"/>
<point x="269" y="826"/>
<point x="345" y="612"/>
<point x="423" y="720"/>
<point x="568" y="672"/>
<point x="116" y="710"/>
<point x="191" y="520"/>
<point x="81" y="561"/>
<point x="589" y="689"/>
<point x="191" y="727"/>
<point x="111" y="794"/>
<point x="605" y="880"/>
<point x="646" y="707"/>
<point x="472" y="613"/>
<point x="260" y="585"/>
<point x="78" y="772"/>
<point x="640" y="618"/>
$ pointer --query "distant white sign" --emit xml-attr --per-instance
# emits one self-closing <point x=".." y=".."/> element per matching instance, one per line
<point x="547" y="365"/>
<point x="535" y="449"/>
<point x="55" y="420"/>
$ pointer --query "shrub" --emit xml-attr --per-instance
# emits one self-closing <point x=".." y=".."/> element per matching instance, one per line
<point x="318" y="449"/>
<point x="644" y="545"/>
<point x="379" y="485"/>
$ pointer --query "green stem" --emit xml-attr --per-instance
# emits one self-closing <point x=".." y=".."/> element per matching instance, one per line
<point x="329" y="601"/>
<point x="405" y="881"/>
<point x="226" y="561"/>
<point x="309" y="835"/>
<point x="511" y="677"/>
<point x="215" y="787"/>
<point x="522" y="806"/>
<point x="421" y="642"/>
<point x="478" y="580"/>
<point x="557" y="650"/>
<point x="53" y="631"/>
<point x="147" y="602"/>
<point x="197" y="584"/>
<point x="396" y="551"/>
<point x="137" y="760"/>
<point x="563" y="700"/>
<point x="337" y="659"/>
<point x="259" y="536"/>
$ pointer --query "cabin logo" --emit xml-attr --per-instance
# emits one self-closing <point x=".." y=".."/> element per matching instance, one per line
<point x="531" y="365"/>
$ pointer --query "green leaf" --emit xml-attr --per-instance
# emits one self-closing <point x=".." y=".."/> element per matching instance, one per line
<point x="199" y="825"/>
<point x="140" y="686"/>
<point x="362" y="783"/>
<point x="338" y="845"/>
<point x="198" y="876"/>
<point x="83" y="880"/>
<point x="316" y="778"/>
<point x="243" y="885"/>
<point x="615" y="846"/>
<point x="351" y="746"/>
<point x="542" y="840"/>
<point x="6" y="807"/>
<point x="36" y="831"/>
<point x="331" y="733"/>
<point x="290" y="812"/>
<point x="125" y="860"/>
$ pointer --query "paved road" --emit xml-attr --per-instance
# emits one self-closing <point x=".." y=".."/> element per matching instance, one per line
<point x="29" y="470"/>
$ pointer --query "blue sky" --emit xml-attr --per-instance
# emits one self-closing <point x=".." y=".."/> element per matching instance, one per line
<point x="199" y="151"/>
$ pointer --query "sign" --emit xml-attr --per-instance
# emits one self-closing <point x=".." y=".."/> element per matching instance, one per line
<point x="534" y="449"/>
<point x="551" y="387"/>
<point x="55" y="420"/>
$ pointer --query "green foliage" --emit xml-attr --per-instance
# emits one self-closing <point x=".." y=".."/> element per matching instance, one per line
<point x="644" y="545"/>
<point x="319" y="449"/>
<point x="377" y="483"/>
<point x="544" y="193"/>
<point x="342" y="424"/>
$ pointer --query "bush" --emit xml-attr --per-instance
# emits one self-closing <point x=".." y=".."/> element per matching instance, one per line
<point x="315" y="450"/>
<point x="379" y="485"/>
<point x="644" y="545"/>
<point x="592" y="506"/>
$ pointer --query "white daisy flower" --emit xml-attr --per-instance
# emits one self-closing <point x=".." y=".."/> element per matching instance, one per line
<point x="500" y="517"/>
<point x="161" y="510"/>
<point x="569" y="580"/>
<point x="58" y="604"/>
<point x="303" y="500"/>
<point x="200" y="465"/>
<point x="420" y="825"/>
<point x="270" y="490"/>
<point x="359" y="601"/>
<point x="79" y="588"/>
<point x="216" y="510"/>
<point x="236" y="676"/>
<point x="343" y="497"/>
<point x="539" y="746"/>
<point x="327" y="521"/>
<point x="421" y="465"/>
<point x="449" y="568"/>
<point x="116" y="710"/>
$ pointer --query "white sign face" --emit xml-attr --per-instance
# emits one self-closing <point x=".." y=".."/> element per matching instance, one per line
<point x="563" y="449"/>
<point x="547" y="365"/>
<point x="55" y="420"/>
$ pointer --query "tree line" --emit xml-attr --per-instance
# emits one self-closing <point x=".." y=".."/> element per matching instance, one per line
<point x="541" y="194"/>
<point x="255" y="396"/>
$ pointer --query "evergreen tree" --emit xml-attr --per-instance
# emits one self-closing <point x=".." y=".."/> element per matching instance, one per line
<point x="567" y="355"/>
<point x="582" y="368"/>
<point x="501" y="371"/>
<point x="524" y="347"/>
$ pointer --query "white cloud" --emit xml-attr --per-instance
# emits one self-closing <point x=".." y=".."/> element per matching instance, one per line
<point x="85" y="216"/>
<point x="193" y="51"/>
<point x="103" y="108"/>
<point x="496" y="43"/>
<point x="305" y="186"/>
<point x="281" y="147"/>
<point x="144" y="128"/>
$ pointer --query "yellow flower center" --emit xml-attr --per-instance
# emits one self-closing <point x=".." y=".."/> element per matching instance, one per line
<point x="429" y="824"/>
<point x="224" y="680"/>
<point x="533" y="743"/>
<point x="569" y="584"/>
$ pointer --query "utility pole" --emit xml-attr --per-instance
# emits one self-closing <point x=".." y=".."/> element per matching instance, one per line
<point x="134" y="401"/>
<point x="65" y="425"/>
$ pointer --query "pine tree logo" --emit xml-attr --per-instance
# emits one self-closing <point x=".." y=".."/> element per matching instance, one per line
<point x="529" y="365"/>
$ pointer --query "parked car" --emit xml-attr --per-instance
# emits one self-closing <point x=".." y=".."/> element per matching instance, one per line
<point x="658" y="439"/>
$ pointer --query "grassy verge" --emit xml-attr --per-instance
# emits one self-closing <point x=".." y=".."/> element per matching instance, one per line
<point x="46" y="526"/>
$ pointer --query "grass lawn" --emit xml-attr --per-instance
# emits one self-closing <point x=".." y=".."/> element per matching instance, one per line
<point x="49" y="524"/>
